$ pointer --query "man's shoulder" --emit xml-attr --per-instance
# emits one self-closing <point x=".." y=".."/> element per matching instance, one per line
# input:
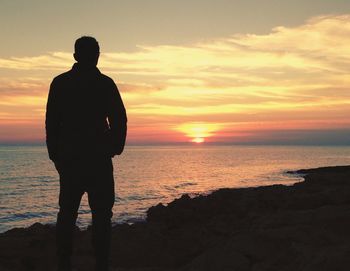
<point x="106" y="79"/>
<point x="62" y="77"/>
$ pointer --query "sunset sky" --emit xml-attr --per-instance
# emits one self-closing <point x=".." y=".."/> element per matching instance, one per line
<point x="239" y="71"/>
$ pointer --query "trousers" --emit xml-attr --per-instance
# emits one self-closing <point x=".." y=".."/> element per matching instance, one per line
<point x="96" y="178"/>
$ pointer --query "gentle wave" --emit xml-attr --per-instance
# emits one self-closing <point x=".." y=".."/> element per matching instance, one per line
<point x="146" y="176"/>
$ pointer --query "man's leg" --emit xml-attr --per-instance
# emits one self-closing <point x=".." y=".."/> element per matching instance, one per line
<point x="69" y="201"/>
<point x="101" y="200"/>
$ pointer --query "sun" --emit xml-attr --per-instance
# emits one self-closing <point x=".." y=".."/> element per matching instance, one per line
<point x="198" y="132"/>
<point x="198" y="140"/>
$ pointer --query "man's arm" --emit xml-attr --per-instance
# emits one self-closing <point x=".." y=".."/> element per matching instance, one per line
<point x="52" y="122"/>
<point x="117" y="122"/>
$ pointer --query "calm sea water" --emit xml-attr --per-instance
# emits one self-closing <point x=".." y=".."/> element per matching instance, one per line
<point x="148" y="175"/>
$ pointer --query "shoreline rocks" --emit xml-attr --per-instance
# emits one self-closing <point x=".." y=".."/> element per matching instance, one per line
<point x="299" y="227"/>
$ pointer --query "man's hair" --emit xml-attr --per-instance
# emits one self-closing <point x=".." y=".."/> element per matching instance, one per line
<point x="86" y="46"/>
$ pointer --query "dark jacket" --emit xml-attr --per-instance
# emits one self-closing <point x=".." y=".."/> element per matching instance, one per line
<point x="85" y="116"/>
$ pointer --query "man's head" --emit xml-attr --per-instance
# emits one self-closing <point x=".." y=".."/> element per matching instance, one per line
<point x="87" y="51"/>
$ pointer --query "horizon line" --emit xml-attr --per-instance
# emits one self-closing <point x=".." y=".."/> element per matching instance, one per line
<point x="42" y="143"/>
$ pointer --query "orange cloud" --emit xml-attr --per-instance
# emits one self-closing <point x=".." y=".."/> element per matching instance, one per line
<point x="291" y="77"/>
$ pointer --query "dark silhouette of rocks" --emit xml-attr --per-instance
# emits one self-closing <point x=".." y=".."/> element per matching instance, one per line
<point x="300" y="227"/>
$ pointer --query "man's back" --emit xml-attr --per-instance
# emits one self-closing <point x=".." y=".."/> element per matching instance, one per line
<point x="85" y="115"/>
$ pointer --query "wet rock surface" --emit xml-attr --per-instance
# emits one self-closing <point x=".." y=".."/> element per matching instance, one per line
<point x="300" y="227"/>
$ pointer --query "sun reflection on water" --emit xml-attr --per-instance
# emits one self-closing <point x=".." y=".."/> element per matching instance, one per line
<point x="148" y="175"/>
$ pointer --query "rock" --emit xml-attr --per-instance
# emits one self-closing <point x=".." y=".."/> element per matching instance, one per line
<point x="286" y="228"/>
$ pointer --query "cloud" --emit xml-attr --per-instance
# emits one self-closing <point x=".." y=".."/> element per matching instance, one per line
<point x="291" y="75"/>
<point x="51" y="61"/>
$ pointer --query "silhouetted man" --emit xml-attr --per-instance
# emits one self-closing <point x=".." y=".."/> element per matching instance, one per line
<point x="85" y="128"/>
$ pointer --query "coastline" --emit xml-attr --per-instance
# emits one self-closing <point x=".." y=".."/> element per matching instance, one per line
<point x="297" y="227"/>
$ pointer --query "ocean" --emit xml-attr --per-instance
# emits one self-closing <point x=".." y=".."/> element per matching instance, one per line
<point x="148" y="175"/>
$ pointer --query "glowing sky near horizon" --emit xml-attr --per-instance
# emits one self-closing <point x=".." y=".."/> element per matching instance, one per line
<point x="268" y="74"/>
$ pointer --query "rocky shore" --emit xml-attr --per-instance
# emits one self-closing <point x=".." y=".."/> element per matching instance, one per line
<point x="305" y="226"/>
